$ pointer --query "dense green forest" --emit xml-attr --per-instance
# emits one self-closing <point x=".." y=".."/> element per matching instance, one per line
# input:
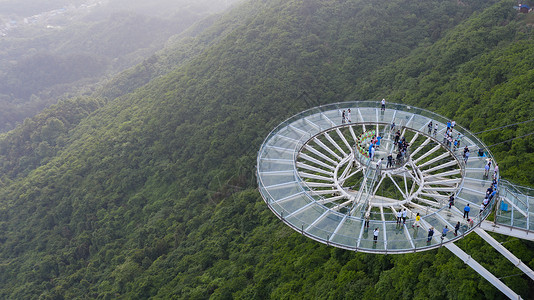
<point x="148" y="190"/>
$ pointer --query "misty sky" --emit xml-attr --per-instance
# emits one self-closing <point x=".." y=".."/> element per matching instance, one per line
<point x="26" y="8"/>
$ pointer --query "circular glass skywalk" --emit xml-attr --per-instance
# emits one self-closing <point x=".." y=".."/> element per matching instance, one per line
<point x="316" y="173"/>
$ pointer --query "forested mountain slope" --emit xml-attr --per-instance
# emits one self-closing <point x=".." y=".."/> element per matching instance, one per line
<point x="481" y="75"/>
<point x="153" y="194"/>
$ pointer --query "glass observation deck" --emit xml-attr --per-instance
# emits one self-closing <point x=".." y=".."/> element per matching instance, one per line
<point x="316" y="172"/>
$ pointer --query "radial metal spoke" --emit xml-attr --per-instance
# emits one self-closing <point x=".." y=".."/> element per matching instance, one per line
<point x="414" y="138"/>
<point x="332" y="199"/>
<point x="429" y="202"/>
<point x="394" y="182"/>
<point x="425" y="209"/>
<point x="426" y="154"/>
<point x="421" y="146"/>
<point x="474" y="191"/>
<point x="279" y="185"/>
<point x="411" y="118"/>
<point x="445" y="221"/>
<point x="320" y="185"/>
<point x="444" y="174"/>
<point x="385" y="200"/>
<point x="435" y="159"/>
<point x="297" y="129"/>
<point x="315" y="169"/>
<point x="403" y="131"/>
<point x="473" y="204"/>
<point x="443" y="166"/>
<point x="384" y="228"/>
<point x="325" y="147"/>
<point x="347" y="169"/>
<point x="338" y="227"/>
<point x="343" y="139"/>
<point x="407" y="234"/>
<point x="444" y="181"/>
<point x="316" y="161"/>
<point x="423" y="127"/>
<point x="289" y="197"/>
<point x="352" y="133"/>
<point x="394" y="115"/>
<point x="353" y="173"/>
<point x="316" y="220"/>
<point x="340" y="206"/>
<point x="360" y="236"/>
<point x="280" y="148"/>
<point x="313" y="124"/>
<point x="300" y="209"/>
<point x="277" y="172"/>
<point x="277" y="160"/>
<point x="377" y="121"/>
<point x="313" y="176"/>
<point x="440" y="189"/>
<point x="331" y="140"/>
<point x="320" y="154"/>
<point x="378" y="185"/>
<point x="326" y="192"/>
<point x="287" y="138"/>
<point x="329" y="120"/>
<point x="361" y="118"/>
<point x="436" y="196"/>
<point x="405" y="184"/>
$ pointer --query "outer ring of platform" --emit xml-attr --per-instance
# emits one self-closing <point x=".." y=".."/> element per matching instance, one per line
<point x="356" y="105"/>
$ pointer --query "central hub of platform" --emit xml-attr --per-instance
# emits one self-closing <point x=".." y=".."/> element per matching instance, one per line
<point x="334" y="180"/>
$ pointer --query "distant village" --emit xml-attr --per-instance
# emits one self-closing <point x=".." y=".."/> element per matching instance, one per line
<point x="50" y="19"/>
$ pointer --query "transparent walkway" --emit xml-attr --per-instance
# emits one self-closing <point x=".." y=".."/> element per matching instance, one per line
<point x="315" y="174"/>
<point x="514" y="212"/>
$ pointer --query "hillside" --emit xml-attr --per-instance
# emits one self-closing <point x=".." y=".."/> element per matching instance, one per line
<point x="152" y="194"/>
<point x="68" y="47"/>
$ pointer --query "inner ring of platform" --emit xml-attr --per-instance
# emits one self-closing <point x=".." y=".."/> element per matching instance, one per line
<point x="343" y="191"/>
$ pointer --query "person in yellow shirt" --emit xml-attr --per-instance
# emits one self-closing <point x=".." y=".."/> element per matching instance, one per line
<point x="417" y="221"/>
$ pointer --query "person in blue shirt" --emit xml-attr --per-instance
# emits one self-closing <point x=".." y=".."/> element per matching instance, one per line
<point x="492" y="195"/>
<point x="378" y="138"/>
<point x="444" y="232"/>
<point x="466" y="211"/>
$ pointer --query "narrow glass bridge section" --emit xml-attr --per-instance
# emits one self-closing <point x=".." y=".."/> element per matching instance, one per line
<point x="315" y="171"/>
<point x="514" y="212"/>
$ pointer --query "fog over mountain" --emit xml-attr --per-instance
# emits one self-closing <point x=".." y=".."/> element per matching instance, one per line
<point x="49" y="48"/>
